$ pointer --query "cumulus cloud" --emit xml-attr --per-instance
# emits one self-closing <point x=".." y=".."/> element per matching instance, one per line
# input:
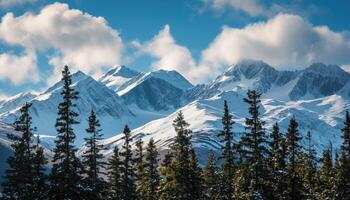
<point x="83" y="41"/>
<point x="284" y="40"/>
<point x="171" y="56"/>
<point x="18" y="68"/>
<point x="12" y="3"/>
<point x="251" y="7"/>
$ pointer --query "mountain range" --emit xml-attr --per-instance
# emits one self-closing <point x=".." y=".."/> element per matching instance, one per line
<point x="148" y="102"/>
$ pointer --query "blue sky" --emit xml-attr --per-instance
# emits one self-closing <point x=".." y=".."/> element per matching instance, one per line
<point x="198" y="38"/>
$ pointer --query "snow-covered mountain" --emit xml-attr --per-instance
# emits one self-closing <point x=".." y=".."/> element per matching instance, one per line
<point x="149" y="101"/>
<point x="117" y="76"/>
<point x="156" y="91"/>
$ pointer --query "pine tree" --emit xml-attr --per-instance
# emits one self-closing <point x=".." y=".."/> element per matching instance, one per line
<point x="167" y="183"/>
<point x="92" y="160"/>
<point x="195" y="177"/>
<point x="40" y="183"/>
<point x="181" y="162"/>
<point x="127" y="171"/>
<point x="140" y="170"/>
<point x="210" y="178"/>
<point x="276" y="163"/>
<point x="253" y="143"/>
<point x="294" y="179"/>
<point x="19" y="178"/>
<point x="114" y="176"/>
<point x="66" y="170"/>
<point x="151" y="172"/>
<point x="343" y="170"/>
<point x="309" y="169"/>
<point x="227" y="167"/>
<point x="325" y="189"/>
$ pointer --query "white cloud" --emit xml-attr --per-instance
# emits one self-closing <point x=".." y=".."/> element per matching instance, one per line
<point x="12" y="3"/>
<point x="285" y="40"/>
<point x="79" y="40"/>
<point x="18" y="68"/>
<point x="251" y="7"/>
<point x="171" y="56"/>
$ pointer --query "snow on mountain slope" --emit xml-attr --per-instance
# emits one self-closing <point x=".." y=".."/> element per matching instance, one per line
<point x="171" y="77"/>
<point x="321" y="116"/>
<point x="316" y="81"/>
<point x="158" y="91"/>
<point x="15" y="101"/>
<point x="117" y="76"/>
<point x="108" y="106"/>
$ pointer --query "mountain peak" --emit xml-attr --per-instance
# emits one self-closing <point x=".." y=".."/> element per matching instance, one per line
<point x="323" y="69"/>
<point x="121" y="71"/>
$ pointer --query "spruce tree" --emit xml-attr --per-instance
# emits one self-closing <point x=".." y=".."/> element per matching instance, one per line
<point x="19" y="178"/>
<point x="114" y="176"/>
<point x="210" y="178"/>
<point x="276" y="163"/>
<point x="151" y="172"/>
<point x="325" y="189"/>
<point x="127" y="171"/>
<point x="66" y="169"/>
<point x="140" y="170"/>
<point x="227" y="167"/>
<point x="309" y="169"/>
<point x="167" y="184"/>
<point x="253" y="144"/>
<point x="294" y="150"/>
<point x="195" y="177"/>
<point x="343" y="169"/>
<point x="40" y="182"/>
<point x="92" y="160"/>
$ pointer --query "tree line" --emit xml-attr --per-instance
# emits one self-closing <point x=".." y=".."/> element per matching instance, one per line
<point x="258" y="165"/>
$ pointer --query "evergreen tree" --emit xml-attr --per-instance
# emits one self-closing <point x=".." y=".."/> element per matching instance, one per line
<point x="114" y="176"/>
<point x="210" y="178"/>
<point x="181" y="162"/>
<point x="343" y="169"/>
<point x="294" y="179"/>
<point x="151" y="172"/>
<point x="127" y="171"/>
<point x="253" y="143"/>
<point x="66" y="169"/>
<point x="325" y="189"/>
<point x="40" y="181"/>
<point x="167" y="183"/>
<point x="195" y="177"/>
<point x="92" y="160"/>
<point x="140" y="170"/>
<point x="309" y="169"/>
<point x="19" y="178"/>
<point x="276" y="163"/>
<point x="227" y="167"/>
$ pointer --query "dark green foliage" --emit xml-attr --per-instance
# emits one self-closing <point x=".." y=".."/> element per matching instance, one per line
<point x="277" y="163"/>
<point x="114" y="176"/>
<point x="140" y="170"/>
<point x="128" y="189"/>
<point x="19" y="178"/>
<point x="166" y="188"/>
<point x="326" y="182"/>
<point x="151" y="175"/>
<point x="40" y="181"/>
<point x="195" y="177"/>
<point x="253" y="144"/>
<point x="92" y="160"/>
<point x="228" y="165"/>
<point x="343" y="167"/>
<point x="294" y="150"/>
<point x="66" y="169"/>
<point x="210" y="179"/>
<point x="309" y="169"/>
